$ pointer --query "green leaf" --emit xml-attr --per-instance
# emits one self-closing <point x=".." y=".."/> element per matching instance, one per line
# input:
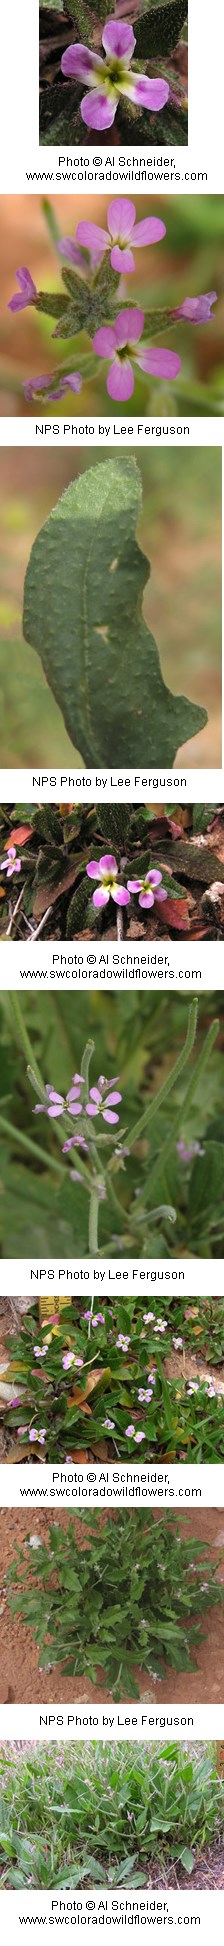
<point x="82" y="613"/>
<point x="187" y="1859"/>
<point x="159" y="28"/>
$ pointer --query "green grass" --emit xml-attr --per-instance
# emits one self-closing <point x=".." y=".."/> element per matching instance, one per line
<point x="102" y="1813"/>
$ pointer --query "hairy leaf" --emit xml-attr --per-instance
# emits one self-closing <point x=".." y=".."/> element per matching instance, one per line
<point x="158" y="30"/>
<point x="82" y="613"/>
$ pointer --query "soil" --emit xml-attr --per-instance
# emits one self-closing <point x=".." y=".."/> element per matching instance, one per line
<point x="23" y="1681"/>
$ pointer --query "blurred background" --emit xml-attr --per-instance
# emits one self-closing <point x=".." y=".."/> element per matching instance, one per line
<point x="188" y="262"/>
<point x="180" y="532"/>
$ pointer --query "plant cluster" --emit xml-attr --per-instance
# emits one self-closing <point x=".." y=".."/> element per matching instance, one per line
<point x="62" y="1155"/>
<point x="93" y="305"/>
<point x="101" y="1814"/>
<point x="100" y="1380"/>
<point x="129" y="1600"/>
<point x="138" y="75"/>
<point x="51" y="849"/>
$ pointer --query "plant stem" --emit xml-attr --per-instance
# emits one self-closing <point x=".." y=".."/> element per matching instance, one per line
<point x="181" y="1116"/>
<point x="24" y="1037"/>
<point x="25" y="1142"/>
<point x="85" y="1063"/>
<point x="93" y="1223"/>
<point x="151" y="1111"/>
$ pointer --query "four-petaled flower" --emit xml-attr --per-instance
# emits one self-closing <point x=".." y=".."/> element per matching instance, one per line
<point x="149" y="888"/>
<point x="122" y="236"/>
<point x="197" y="309"/>
<point x="110" y="79"/>
<point x="11" y="863"/>
<point x="97" y="1103"/>
<point x="109" y="1424"/>
<point x="120" y="343"/>
<point x="178" y="1344"/>
<point x="187" y="1153"/>
<point x="27" y="292"/>
<point x="57" y="1103"/>
<point x="41" y="1437"/>
<point x="55" y="387"/>
<point x="106" y="871"/>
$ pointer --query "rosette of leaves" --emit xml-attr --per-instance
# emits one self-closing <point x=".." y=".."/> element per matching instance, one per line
<point x="83" y="615"/>
<point x="158" y="27"/>
<point x="128" y="1598"/>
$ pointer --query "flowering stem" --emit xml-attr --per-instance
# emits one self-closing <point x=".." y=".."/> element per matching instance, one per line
<point x="183" y="1057"/>
<point x="181" y="1115"/>
<point x="24" y="1037"/>
<point x="85" y="1063"/>
<point x="93" y="1223"/>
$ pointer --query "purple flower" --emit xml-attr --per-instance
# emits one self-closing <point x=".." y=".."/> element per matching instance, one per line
<point x="108" y="80"/>
<point x="68" y="1359"/>
<point x="197" y="309"/>
<point x="40" y="1351"/>
<point x="122" y="1343"/>
<point x="41" y="1437"/>
<point x="187" y="1154"/>
<point x="178" y="1344"/>
<point x="106" y="871"/>
<point x="144" y="1396"/>
<point x="56" y="1104"/>
<point x="26" y="294"/>
<point x="97" y="1104"/>
<point x="109" y="1424"/>
<point x="160" y="1326"/>
<point x="193" y="1387"/>
<point x="147" y="888"/>
<point x="11" y="863"/>
<point x="114" y="340"/>
<point x="123" y="233"/>
<point x="129" y="1432"/>
<point x="99" y="1319"/>
<point x="148" y="1317"/>
<point x="138" y="1437"/>
<point x="55" y="387"/>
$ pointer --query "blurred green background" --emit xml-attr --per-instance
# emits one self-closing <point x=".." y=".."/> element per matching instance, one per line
<point x="187" y="262"/>
<point x="180" y="532"/>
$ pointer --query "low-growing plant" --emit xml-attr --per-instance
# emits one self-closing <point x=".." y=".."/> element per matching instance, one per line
<point x="103" y="1813"/>
<point x="45" y="859"/>
<point x="128" y="1600"/>
<point x="100" y="1378"/>
<point x="154" y="44"/>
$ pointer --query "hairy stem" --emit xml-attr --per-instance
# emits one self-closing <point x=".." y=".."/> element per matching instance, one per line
<point x="93" y="1223"/>
<point x="24" y="1038"/>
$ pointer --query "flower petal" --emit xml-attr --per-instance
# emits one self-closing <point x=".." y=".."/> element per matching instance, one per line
<point x="108" y="863"/>
<point x="101" y="897"/>
<point x="75" y="1108"/>
<point x="92" y="237"/>
<point x="120" y="381"/>
<point x="122" y="260"/>
<point x="69" y="249"/>
<point x="97" y="111"/>
<point x="121" y="217"/>
<point x="134" y="884"/>
<point x="108" y="1115"/>
<point x="150" y="231"/>
<point x="104" y="342"/>
<point x="78" y="63"/>
<point x="154" y="878"/>
<point x="160" y="895"/>
<point x="128" y="327"/>
<point x="118" y="39"/>
<point x="112" y="1099"/>
<point x="161" y="364"/>
<point x="146" y="898"/>
<point x="149" y="94"/>
<point x="95" y="1096"/>
<point x="120" y="895"/>
<point x="91" y="1108"/>
<point x="92" y="869"/>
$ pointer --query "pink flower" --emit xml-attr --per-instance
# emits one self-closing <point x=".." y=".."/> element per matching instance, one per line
<point x="68" y="1359"/>
<point x="122" y="1343"/>
<point x="11" y="863"/>
<point x="99" y="1319"/>
<point x="113" y="340"/>
<point x="144" y="1396"/>
<point x="178" y="1344"/>
<point x="148" y="1317"/>
<point x="108" y="80"/>
<point x="56" y="387"/>
<point x="123" y="233"/>
<point x="187" y="1153"/>
<point x="129" y="1432"/>
<point x="56" y="1104"/>
<point x="197" y="309"/>
<point x="150" y="888"/>
<point x="109" y="1425"/>
<point x="40" y="1351"/>
<point x="97" y="1104"/>
<point x="106" y="871"/>
<point x="40" y="1436"/>
<point x="27" y="292"/>
<point x="160" y="1326"/>
<point x="138" y="1437"/>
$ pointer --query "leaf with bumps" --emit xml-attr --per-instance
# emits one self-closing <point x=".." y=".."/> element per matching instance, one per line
<point x="83" y="614"/>
<point x="158" y="30"/>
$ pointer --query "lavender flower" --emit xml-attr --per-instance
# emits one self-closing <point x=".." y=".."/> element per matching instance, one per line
<point x="129" y="1432"/>
<point x="123" y="234"/>
<point x="150" y="888"/>
<point x="11" y="863"/>
<point x="138" y="1437"/>
<point x="144" y="1397"/>
<point x="160" y="1326"/>
<point x="55" y="387"/>
<point x="40" y="1351"/>
<point x="178" y="1344"/>
<point x="97" y="1105"/>
<point x="106" y="870"/>
<point x="26" y="294"/>
<point x="197" y="309"/>
<point x="68" y="1359"/>
<point x="109" y="1425"/>
<point x="122" y="1343"/>
<point x="41" y="1436"/>
<point x="114" y="340"/>
<point x="56" y="1104"/>
<point x="187" y="1154"/>
<point x="108" y="80"/>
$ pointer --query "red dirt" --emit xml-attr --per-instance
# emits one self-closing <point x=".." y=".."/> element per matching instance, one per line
<point x="22" y="1680"/>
